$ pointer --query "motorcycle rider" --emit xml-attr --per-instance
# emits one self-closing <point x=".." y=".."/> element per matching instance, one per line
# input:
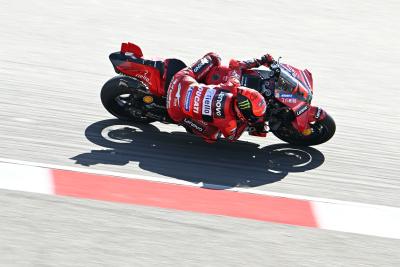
<point x="207" y="99"/>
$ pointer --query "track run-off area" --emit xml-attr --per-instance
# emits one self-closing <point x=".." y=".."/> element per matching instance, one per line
<point x="80" y="188"/>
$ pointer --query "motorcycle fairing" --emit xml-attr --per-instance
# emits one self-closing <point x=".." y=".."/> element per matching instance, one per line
<point x="304" y="76"/>
<point x="155" y="73"/>
<point x="148" y="71"/>
<point x="294" y="88"/>
<point x="293" y="83"/>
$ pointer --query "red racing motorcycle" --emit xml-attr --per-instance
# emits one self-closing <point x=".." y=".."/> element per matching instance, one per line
<point x="139" y="92"/>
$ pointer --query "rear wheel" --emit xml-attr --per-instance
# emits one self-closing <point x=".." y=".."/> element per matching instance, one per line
<point x="118" y="98"/>
<point x="322" y="131"/>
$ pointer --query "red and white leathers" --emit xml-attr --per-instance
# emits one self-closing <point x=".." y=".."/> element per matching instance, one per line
<point x="208" y="109"/>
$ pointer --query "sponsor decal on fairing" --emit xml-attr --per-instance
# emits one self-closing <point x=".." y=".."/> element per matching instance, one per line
<point x="144" y="77"/>
<point x="301" y="110"/>
<point x="289" y="100"/>
<point x="285" y="96"/>
<point x="318" y="114"/>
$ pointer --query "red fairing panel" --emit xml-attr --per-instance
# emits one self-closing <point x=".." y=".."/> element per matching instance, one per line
<point x="316" y="114"/>
<point x="150" y="76"/>
<point x="301" y="113"/>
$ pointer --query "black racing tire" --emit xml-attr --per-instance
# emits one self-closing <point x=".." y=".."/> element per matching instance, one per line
<point x="323" y="130"/>
<point x="113" y="89"/>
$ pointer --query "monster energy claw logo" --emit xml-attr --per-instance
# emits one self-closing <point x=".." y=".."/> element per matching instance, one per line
<point x="244" y="104"/>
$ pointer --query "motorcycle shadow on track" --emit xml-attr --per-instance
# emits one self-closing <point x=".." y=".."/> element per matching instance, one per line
<point x="186" y="157"/>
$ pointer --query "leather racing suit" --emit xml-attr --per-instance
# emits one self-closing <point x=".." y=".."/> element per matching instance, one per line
<point x="207" y="109"/>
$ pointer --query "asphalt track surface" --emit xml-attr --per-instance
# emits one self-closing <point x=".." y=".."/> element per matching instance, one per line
<point x="54" y="61"/>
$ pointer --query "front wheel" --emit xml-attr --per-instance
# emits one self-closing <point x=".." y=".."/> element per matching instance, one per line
<point x="322" y="131"/>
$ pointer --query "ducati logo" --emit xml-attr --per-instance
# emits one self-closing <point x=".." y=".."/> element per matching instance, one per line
<point x="197" y="97"/>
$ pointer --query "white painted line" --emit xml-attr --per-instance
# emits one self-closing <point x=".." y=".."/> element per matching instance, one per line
<point x="26" y="178"/>
<point x="377" y="221"/>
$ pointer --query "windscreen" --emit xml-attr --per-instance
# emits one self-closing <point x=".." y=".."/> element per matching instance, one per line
<point x="289" y="86"/>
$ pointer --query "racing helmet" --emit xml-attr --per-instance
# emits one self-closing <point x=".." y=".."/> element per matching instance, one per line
<point x="250" y="105"/>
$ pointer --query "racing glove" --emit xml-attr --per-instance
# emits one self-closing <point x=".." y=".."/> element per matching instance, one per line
<point x="265" y="60"/>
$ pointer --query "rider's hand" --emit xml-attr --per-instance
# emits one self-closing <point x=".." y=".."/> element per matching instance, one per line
<point x="266" y="60"/>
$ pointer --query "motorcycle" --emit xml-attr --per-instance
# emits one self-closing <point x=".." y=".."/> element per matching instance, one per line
<point x="139" y="93"/>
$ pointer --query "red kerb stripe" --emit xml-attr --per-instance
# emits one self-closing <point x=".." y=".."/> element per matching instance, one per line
<point x="187" y="198"/>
